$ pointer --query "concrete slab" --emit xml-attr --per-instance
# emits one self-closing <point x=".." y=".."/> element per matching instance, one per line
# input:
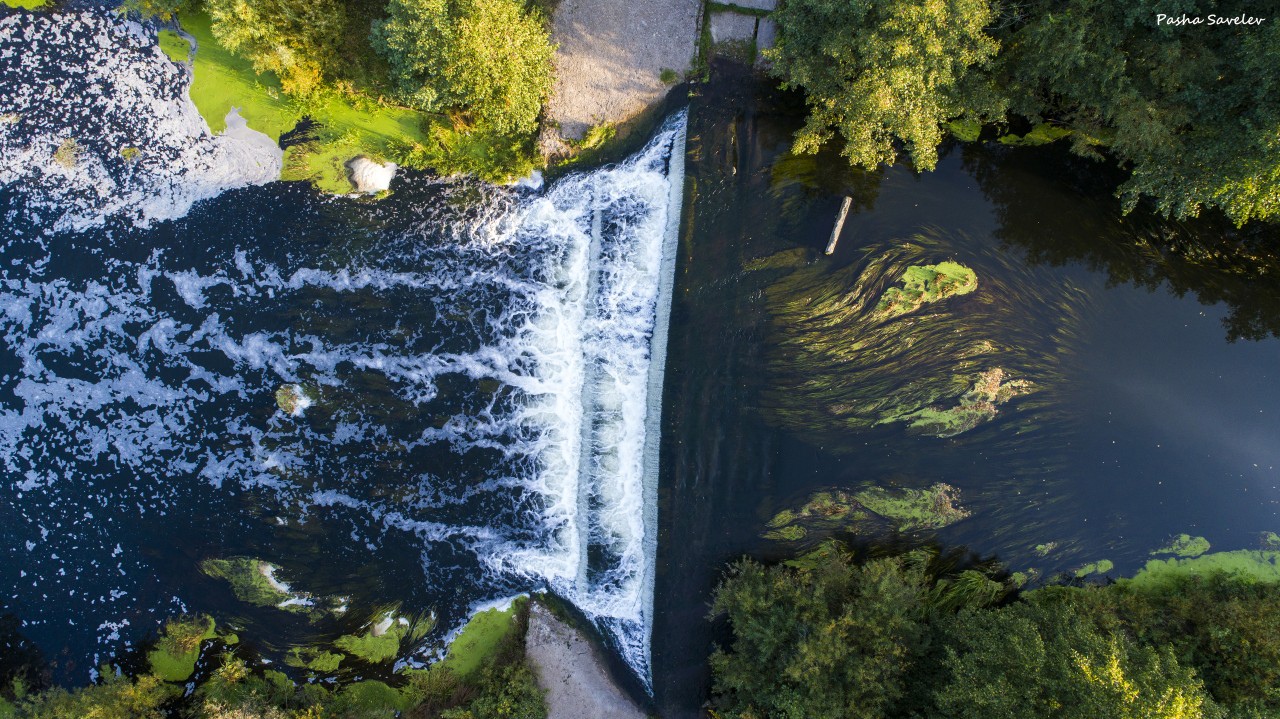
<point x="732" y="26"/>
<point x="769" y="5"/>
<point x="766" y="36"/>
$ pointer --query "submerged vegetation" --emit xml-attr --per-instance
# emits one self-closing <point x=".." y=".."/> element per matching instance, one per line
<point x="929" y="634"/>
<point x="868" y="510"/>
<point x="892" y="339"/>
<point x="1190" y="114"/>
<point x="231" y="684"/>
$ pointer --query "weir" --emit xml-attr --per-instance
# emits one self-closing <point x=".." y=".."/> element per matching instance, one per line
<point x="630" y="218"/>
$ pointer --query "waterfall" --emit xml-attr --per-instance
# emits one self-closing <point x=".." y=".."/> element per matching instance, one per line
<point x="478" y="370"/>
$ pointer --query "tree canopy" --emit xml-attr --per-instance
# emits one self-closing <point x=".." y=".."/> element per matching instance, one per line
<point x="876" y="71"/>
<point x="298" y="40"/>
<point x="489" y="58"/>
<point x="1192" y="113"/>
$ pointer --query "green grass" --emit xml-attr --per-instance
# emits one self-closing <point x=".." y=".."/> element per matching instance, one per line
<point x="480" y="638"/>
<point x="177" y="47"/>
<point x="26" y="4"/>
<point x="175" y="655"/>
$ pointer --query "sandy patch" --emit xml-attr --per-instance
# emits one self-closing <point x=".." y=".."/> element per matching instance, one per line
<point x="610" y="58"/>
<point x="575" y="679"/>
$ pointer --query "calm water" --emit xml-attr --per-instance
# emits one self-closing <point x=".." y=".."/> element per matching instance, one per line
<point x="1147" y="420"/>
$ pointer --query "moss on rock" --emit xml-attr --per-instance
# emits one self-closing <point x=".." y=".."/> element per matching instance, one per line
<point x="176" y="652"/>
<point x="479" y="640"/>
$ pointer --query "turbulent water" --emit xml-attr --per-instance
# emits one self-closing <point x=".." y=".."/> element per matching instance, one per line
<point x="483" y="371"/>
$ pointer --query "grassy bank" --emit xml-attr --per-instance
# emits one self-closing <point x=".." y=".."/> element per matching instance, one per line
<point x="343" y="123"/>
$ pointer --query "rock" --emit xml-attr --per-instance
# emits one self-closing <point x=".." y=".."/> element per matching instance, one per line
<point x="370" y="177"/>
<point x="570" y="671"/>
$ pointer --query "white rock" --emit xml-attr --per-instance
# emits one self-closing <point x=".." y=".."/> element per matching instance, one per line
<point x="369" y="176"/>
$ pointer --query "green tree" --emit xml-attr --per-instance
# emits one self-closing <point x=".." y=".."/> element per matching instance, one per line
<point x="881" y="71"/>
<point x="116" y="698"/>
<point x="488" y="58"/>
<point x="1193" y="112"/>
<point x="298" y="40"/>
<point x="828" y="638"/>
<point x="1048" y="658"/>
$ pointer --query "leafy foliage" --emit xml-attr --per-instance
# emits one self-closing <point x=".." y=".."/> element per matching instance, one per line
<point x="832" y="639"/>
<point x="1194" y="113"/>
<point x="444" y="56"/>
<point x="880" y="71"/>
<point x="298" y="40"/>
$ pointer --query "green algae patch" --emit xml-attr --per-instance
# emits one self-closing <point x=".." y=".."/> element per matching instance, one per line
<point x="1184" y="545"/>
<point x="1270" y="540"/>
<point x="26" y="4"/>
<point x="1102" y="566"/>
<point x="1244" y="564"/>
<point x="869" y="510"/>
<point x="964" y="130"/>
<point x="923" y="284"/>
<point x="784" y="260"/>
<point x="177" y="47"/>
<point x="978" y="405"/>
<point x="175" y="655"/>
<point x="1046" y="549"/>
<point x="480" y="638"/>
<point x="382" y="641"/>
<point x="254" y="581"/>
<point x="1042" y="134"/>
<point x="314" y="659"/>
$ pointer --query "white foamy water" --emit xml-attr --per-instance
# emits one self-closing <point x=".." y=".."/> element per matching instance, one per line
<point x="96" y="123"/>
<point x="484" y="384"/>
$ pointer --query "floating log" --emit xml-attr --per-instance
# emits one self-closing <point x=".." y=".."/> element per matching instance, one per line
<point x="835" y="232"/>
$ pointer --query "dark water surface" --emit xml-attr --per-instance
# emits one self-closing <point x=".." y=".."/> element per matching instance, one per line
<point x="1150" y="345"/>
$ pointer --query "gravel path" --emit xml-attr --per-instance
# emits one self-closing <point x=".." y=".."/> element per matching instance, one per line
<point x="611" y="55"/>
<point x="576" y="682"/>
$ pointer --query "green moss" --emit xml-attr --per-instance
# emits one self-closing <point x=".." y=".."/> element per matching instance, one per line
<point x="313" y="658"/>
<point x="177" y="47"/>
<point x="965" y="130"/>
<point x="1185" y="545"/>
<point x="1046" y="549"/>
<point x="251" y="581"/>
<point x="68" y="153"/>
<point x="1102" y="566"/>
<point x="222" y="80"/>
<point x="1041" y="134"/>
<point x="923" y="284"/>
<point x="1250" y="565"/>
<point x="130" y="153"/>
<point x="369" y="698"/>
<point x="26" y="4"/>
<point x="174" y="658"/>
<point x="792" y="533"/>
<point x="976" y="406"/>
<point x="668" y="76"/>
<point x="380" y="644"/>
<point x="1270" y="540"/>
<point x="292" y="398"/>
<point x="480" y="638"/>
